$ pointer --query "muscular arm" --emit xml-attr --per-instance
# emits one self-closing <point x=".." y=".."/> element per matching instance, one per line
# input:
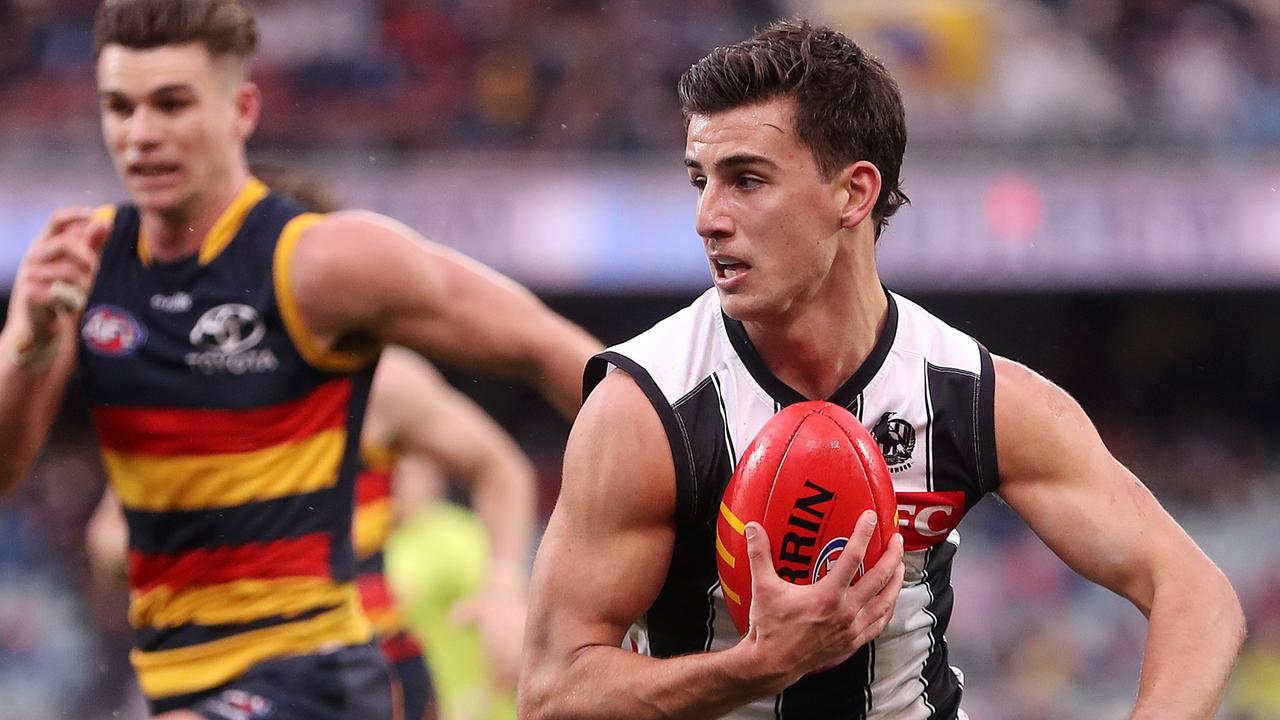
<point x="362" y="275"/>
<point x="604" y="558"/>
<point x="601" y="564"/>
<point x="1090" y="510"/>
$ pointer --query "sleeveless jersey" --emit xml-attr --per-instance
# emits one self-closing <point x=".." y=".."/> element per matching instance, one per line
<point x="925" y="392"/>
<point x="370" y="531"/>
<point x="231" y="440"/>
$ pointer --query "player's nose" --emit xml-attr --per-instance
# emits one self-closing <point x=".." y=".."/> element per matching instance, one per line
<point x="144" y="128"/>
<point x="713" y="220"/>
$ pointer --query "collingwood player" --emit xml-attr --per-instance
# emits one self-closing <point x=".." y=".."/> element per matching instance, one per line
<point x="795" y="143"/>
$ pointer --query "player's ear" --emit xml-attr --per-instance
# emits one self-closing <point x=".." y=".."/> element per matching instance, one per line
<point x="861" y="183"/>
<point x="248" y="109"/>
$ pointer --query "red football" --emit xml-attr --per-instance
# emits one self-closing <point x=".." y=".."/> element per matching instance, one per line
<point x="806" y="478"/>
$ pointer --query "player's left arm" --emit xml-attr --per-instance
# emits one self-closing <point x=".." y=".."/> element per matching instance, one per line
<point x="429" y="418"/>
<point x="1057" y="474"/>
<point x="364" y="278"/>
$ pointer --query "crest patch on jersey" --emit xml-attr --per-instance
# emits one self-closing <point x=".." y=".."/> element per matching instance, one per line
<point x="112" y="331"/>
<point x="897" y="440"/>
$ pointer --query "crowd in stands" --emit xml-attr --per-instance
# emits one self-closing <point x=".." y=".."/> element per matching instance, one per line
<point x="599" y="75"/>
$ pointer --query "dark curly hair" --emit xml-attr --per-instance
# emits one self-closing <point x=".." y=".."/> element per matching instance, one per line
<point x="848" y="107"/>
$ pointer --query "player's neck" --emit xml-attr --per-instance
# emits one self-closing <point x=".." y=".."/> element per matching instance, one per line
<point x="822" y="344"/>
<point x="179" y="233"/>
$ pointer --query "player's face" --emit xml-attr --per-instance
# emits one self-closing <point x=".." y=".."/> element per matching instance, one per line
<point x="769" y="221"/>
<point x="174" y="119"/>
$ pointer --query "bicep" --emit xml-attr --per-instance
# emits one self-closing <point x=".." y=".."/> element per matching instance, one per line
<point x="1059" y="476"/>
<point x="608" y="545"/>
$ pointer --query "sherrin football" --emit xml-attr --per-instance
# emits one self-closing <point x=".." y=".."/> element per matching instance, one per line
<point x="806" y="478"/>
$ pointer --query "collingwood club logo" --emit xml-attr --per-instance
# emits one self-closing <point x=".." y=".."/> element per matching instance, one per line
<point x="897" y="440"/>
<point x="225" y="338"/>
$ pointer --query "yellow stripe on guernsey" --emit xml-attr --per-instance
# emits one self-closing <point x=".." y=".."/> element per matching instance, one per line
<point x="224" y="228"/>
<point x="103" y="213"/>
<point x="371" y="527"/>
<point x="165" y="673"/>
<point x="386" y="622"/>
<point x="377" y="456"/>
<point x="319" y="357"/>
<point x="145" y="482"/>
<point x="235" y="602"/>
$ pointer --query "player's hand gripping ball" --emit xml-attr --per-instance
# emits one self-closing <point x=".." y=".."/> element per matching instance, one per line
<point x="806" y="478"/>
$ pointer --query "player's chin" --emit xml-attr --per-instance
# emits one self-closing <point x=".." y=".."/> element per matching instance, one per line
<point x="156" y="199"/>
<point x="745" y="307"/>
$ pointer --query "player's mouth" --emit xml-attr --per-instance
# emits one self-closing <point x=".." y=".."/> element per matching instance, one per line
<point x="728" y="270"/>
<point x="153" y="174"/>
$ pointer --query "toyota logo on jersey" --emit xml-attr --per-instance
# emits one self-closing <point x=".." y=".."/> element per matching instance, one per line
<point x="111" y="331"/>
<point x="229" y="328"/>
<point x="226" y="337"/>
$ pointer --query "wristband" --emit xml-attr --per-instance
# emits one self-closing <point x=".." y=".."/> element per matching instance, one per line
<point x="27" y="353"/>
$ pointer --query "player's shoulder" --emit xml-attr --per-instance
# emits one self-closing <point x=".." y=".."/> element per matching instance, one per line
<point x="358" y="252"/>
<point x="675" y="354"/>
<point x="923" y="334"/>
<point x="1023" y="392"/>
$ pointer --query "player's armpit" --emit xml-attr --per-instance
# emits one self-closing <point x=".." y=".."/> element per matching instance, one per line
<point x="1057" y="474"/>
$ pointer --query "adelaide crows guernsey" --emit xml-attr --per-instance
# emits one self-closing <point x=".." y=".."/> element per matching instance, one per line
<point x="232" y="441"/>
<point x="373" y="524"/>
<point x="926" y="393"/>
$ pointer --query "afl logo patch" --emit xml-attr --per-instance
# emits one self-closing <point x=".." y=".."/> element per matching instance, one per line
<point x="111" y="331"/>
<point x="833" y="550"/>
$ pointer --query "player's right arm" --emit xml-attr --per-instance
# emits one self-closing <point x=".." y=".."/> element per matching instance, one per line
<point x="603" y="560"/>
<point x="38" y="343"/>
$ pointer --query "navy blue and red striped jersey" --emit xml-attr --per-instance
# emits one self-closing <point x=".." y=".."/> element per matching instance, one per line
<point x="232" y="441"/>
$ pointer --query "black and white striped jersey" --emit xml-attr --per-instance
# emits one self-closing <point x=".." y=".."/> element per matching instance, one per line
<point x="926" y="393"/>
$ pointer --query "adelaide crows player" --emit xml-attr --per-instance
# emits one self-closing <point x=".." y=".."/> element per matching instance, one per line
<point x="227" y="340"/>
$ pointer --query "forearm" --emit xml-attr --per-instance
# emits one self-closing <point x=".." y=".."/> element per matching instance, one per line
<point x="1195" y="634"/>
<point x="559" y="354"/>
<point x="605" y="682"/>
<point x="503" y="499"/>
<point x="32" y="379"/>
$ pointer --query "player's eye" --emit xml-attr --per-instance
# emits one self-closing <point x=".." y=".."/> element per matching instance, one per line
<point x="748" y="182"/>
<point x="118" y="107"/>
<point x="698" y="182"/>
<point x="172" y="105"/>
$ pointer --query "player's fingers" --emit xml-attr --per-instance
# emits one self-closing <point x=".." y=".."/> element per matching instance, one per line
<point x="759" y="558"/>
<point x="845" y="568"/>
<point x="885" y="574"/>
<point x="63" y="218"/>
<point x="70" y="250"/>
<point x="98" y="233"/>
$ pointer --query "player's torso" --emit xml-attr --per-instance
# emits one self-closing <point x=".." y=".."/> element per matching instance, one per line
<point x="921" y="396"/>
<point x="233" y="456"/>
